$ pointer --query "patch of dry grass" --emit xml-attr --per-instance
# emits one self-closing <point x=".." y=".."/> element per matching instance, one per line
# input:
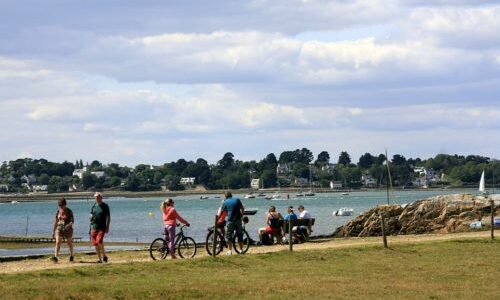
<point x="435" y="270"/>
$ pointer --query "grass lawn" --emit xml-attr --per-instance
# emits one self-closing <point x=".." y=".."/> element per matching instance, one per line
<point x="468" y="269"/>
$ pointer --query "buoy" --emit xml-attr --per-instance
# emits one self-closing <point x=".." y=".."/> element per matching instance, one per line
<point x="151" y="214"/>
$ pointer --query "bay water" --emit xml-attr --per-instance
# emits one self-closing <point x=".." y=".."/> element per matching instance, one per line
<point x="140" y="219"/>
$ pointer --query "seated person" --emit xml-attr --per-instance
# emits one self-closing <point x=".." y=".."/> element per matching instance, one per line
<point x="304" y="215"/>
<point x="274" y="223"/>
<point x="291" y="215"/>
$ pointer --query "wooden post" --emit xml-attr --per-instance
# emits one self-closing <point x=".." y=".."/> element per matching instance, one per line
<point x="382" y="224"/>
<point x="290" y="235"/>
<point x="492" y="219"/>
<point x="27" y="224"/>
<point x="214" y="246"/>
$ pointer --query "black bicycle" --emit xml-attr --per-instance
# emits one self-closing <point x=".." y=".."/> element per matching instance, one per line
<point x="185" y="245"/>
<point x="221" y="241"/>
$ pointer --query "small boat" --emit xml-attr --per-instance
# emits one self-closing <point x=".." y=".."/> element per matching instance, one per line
<point x="14" y="201"/>
<point x="309" y="194"/>
<point x="250" y="211"/>
<point x="249" y="196"/>
<point x="299" y="194"/>
<point x="203" y="197"/>
<point x="345" y="194"/>
<point x="344" y="212"/>
<point x="261" y="195"/>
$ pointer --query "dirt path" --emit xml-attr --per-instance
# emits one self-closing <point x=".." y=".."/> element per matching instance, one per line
<point x="123" y="257"/>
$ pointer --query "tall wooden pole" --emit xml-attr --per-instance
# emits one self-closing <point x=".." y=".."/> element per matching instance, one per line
<point x="216" y="234"/>
<point x="382" y="225"/>
<point x="492" y="219"/>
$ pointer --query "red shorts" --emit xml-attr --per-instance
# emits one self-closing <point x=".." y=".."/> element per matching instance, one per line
<point x="96" y="237"/>
<point x="271" y="230"/>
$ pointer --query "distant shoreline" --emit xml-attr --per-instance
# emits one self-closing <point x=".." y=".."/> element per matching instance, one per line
<point x="4" y="198"/>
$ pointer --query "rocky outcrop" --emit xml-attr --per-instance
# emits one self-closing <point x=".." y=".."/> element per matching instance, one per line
<point x="447" y="213"/>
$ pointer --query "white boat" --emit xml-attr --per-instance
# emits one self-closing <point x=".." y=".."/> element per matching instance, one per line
<point x="14" y="201"/>
<point x="261" y="195"/>
<point x="482" y="188"/>
<point x="310" y="192"/>
<point x="299" y="194"/>
<point x="249" y="196"/>
<point x="344" y="212"/>
<point x="203" y="197"/>
<point x="345" y="193"/>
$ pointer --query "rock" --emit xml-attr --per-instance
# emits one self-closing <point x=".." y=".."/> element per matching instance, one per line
<point x="444" y="213"/>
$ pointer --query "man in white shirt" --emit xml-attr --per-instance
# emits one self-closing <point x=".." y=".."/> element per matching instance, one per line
<point x="304" y="214"/>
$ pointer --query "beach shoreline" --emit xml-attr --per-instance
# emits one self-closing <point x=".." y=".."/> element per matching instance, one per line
<point x="36" y="197"/>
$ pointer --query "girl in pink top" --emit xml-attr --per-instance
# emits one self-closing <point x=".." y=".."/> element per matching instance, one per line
<point x="170" y="217"/>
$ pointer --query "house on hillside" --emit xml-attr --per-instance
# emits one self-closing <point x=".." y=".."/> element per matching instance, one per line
<point x="368" y="180"/>
<point x="328" y="168"/>
<point x="283" y="169"/>
<point x="80" y="172"/>
<point x="98" y="174"/>
<point x="187" y="180"/>
<point x="4" y="188"/>
<point x="43" y="188"/>
<point x="425" y="177"/>
<point x="255" y="183"/>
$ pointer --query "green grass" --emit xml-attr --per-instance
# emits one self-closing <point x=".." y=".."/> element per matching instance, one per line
<point x="467" y="269"/>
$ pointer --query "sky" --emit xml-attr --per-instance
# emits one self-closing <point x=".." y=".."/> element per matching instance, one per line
<point x="153" y="81"/>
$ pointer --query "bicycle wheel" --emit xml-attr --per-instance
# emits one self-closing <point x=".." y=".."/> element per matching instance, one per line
<point x="209" y="242"/>
<point x="158" y="249"/>
<point x="186" y="247"/>
<point x="246" y="243"/>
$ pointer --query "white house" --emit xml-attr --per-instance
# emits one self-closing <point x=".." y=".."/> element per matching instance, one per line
<point x="255" y="183"/>
<point x="425" y="177"/>
<point x="368" y="180"/>
<point x="283" y="169"/>
<point x="98" y="174"/>
<point x="301" y="181"/>
<point x="4" y="188"/>
<point x="40" y="188"/>
<point x="187" y="180"/>
<point x="79" y="172"/>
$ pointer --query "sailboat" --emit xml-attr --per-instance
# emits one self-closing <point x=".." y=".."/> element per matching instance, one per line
<point x="482" y="188"/>
<point x="345" y="186"/>
<point x="310" y="192"/>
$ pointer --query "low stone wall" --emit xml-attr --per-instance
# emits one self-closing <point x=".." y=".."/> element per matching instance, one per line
<point x="443" y="214"/>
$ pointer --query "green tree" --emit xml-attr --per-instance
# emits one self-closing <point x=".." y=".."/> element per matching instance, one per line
<point x="344" y="158"/>
<point x="366" y="161"/>
<point x="323" y="158"/>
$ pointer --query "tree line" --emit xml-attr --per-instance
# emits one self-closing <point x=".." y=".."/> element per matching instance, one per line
<point x="294" y="170"/>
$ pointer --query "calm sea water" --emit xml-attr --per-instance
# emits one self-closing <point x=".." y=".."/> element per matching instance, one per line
<point x="139" y="219"/>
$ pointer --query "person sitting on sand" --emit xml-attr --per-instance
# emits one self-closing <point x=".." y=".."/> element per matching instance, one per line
<point x="63" y="228"/>
<point x="170" y="217"/>
<point x="274" y="223"/>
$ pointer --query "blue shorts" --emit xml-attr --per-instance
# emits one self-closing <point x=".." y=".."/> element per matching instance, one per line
<point x="234" y="225"/>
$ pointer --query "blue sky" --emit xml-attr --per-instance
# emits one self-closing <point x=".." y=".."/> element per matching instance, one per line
<point x="153" y="81"/>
